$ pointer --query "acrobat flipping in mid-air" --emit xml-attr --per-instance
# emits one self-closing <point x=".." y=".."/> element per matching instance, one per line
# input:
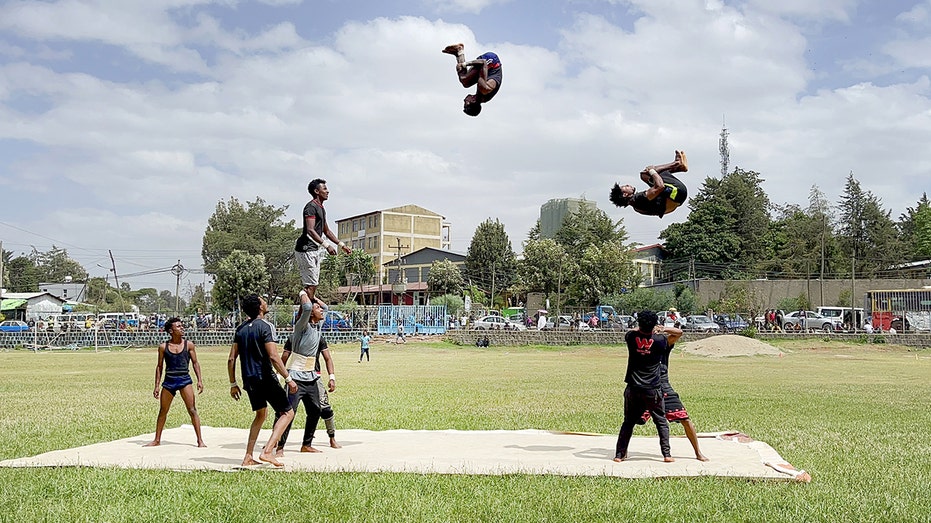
<point x="484" y="73"/>
<point x="666" y="192"/>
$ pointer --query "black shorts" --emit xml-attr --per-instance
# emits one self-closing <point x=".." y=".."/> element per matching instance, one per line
<point x="675" y="189"/>
<point x="675" y="410"/>
<point x="267" y="392"/>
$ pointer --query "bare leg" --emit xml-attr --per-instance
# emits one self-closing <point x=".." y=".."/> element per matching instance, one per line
<point x="187" y="394"/>
<point x="693" y="439"/>
<point x="679" y="165"/>
<point x="268" y="453"/>
<point x="253" y="435"/>
<point x="164" y="404"/>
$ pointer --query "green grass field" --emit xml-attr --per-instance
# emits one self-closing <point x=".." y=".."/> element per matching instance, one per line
<point x="856" y="417"/>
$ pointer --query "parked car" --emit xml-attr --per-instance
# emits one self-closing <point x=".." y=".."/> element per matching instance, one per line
<point x="494" y="322"/>
<point x="731" y="323"/>
<point x="14" y="326"/>
<point x="700" y="323"/>
<point x="334" y="320"/>
<point x="565" y="323"/>
<point x="807" y="320"/>
<point x="625" y="322"/>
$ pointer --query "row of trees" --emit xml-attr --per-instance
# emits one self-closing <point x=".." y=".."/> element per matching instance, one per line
<point x="733" y="231"/>
<point x="24" y="273"/>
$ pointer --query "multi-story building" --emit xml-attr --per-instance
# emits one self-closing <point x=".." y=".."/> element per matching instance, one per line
<point x="553" y="212"/>
<point x="390" y="233"/>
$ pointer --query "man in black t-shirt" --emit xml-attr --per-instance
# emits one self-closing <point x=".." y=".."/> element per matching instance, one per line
<point x="666" y="192"/>
<point x="645" y="351"/>
<point x="255" y="344"/>
<point x="307" y="252"/>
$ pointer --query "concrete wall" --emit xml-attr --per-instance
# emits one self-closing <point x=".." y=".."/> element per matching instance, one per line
<point x="771" y="292"/>
<point x="121" y="339"/>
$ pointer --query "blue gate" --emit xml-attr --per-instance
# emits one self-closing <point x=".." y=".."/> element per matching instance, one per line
<point x="417" y="319"/>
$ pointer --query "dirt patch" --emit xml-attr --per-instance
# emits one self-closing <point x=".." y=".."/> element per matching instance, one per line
<point x="726" y="345"/>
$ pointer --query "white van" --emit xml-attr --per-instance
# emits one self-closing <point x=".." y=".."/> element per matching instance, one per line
<point x="840" y="316"/>
<point x="69" y="321"/>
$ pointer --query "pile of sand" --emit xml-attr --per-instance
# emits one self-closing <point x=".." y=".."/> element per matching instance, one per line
<point x="725" y="345"/>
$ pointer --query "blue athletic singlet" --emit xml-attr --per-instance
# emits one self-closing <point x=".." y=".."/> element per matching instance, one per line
<point x="494" y="73"/>
<point x="177" y="364"/>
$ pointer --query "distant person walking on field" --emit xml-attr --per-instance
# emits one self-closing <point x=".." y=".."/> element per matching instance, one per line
<point x="400" y="338"/>
<point x="364" y="345"/>
<point x="307" y="251"/>
<point x="176" y="355"/>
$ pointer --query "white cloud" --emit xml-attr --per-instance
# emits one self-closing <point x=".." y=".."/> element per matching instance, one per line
<point x="462" y="6"/>
<point x="919" y="15"/>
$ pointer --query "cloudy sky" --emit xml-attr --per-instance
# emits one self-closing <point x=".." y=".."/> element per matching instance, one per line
<point x="124" y="122"/>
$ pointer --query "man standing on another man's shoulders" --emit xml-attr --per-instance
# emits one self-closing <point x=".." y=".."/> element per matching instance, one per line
<point x="307" y="252"/>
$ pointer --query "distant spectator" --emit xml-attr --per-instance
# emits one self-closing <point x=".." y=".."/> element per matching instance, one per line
<point x="868" y="328"/>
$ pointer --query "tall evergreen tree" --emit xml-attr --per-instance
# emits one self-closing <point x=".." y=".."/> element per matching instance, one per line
<point x="728" y="231"/>
<point x="490" y="262"/>
<point x="868" y="234"/>
<point x="915" y="228"/>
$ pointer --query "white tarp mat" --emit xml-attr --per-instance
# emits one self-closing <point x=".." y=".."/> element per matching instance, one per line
<point x="483" y="452"/>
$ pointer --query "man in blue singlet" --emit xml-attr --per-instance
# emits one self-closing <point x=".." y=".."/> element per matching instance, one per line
<point x="176" y="355"/>
<point x="666" y="192"/>
<point x="484" y="73"/>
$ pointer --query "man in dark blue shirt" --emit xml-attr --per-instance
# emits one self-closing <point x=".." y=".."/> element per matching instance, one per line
<point x="484" y="73"/>
<point x="256" y="346"/>
<point x="645" y="349"/>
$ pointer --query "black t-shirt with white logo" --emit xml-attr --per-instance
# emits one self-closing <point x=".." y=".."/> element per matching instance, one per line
<point x="645" y="359"/>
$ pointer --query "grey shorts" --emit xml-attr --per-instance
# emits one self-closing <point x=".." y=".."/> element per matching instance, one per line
<point x="308" y="263"/>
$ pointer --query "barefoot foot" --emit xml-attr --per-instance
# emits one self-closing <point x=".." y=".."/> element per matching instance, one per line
<point x="668" y="459"/>
<point x="248" y="461"/>
<point x="201" y="444"/>
<point x="701" y="457"/>
<point x="269" y="458"/>
<point x="334" y="444"/>
<point x="308" y="449"/>
<point x="279" y="453"/>
<point x="453" y="49"/>
<point x="682" y="161"/>
<point x="153" y="443"/>
<point x="621" y="457"/>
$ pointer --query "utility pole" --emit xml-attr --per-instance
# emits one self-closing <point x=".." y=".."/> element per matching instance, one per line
<point x="823" y="226"/>
<point x="177" y="269"/>
<point x="492" y="304"/>
<point x="116" y="278"/>
<point x="398" y="287"/>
